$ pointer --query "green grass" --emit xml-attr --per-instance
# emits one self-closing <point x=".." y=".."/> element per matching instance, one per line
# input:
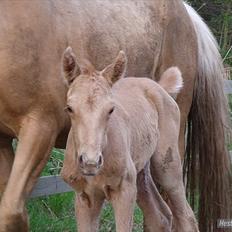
<point x="52" y="214"/>
<point x="56" y="213"/>
<point x="55" y="163"/>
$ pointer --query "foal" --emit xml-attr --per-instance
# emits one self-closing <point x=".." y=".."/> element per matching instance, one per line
<point x="118" y="128"/>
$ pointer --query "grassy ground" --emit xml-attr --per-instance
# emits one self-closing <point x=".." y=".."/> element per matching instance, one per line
<point x="56" y="213"/>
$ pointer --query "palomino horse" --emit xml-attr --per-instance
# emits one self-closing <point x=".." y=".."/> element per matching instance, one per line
<point x="156" y="34"/>
<point x="114" y="136"/>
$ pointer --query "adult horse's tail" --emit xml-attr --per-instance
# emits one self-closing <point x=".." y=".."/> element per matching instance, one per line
<point x="207" y="162"/>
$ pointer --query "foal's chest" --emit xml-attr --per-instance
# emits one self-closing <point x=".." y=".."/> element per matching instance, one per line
<point x="99" y="184"/>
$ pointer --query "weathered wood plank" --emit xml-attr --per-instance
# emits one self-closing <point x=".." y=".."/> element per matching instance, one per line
<point x="228" y="86"/>
<point x="49" y="185"/>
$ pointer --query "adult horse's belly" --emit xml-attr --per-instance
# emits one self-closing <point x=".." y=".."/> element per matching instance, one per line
<point x="103" y="27"/>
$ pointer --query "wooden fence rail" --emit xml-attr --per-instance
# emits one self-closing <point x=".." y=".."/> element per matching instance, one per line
<point x="49" y="185"/>
<point x="228" y="86"/>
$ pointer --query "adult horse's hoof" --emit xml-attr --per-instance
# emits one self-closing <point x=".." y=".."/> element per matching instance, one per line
<point x="13" y="223"/>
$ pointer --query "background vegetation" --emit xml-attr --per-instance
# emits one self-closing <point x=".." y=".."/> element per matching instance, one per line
<point x="56" y="213"/>
<point x="218" y="15"/>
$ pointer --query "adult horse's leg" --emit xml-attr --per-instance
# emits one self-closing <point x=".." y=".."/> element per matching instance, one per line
<point x="180" y="50"/>
<point x="6" y="161"/>
<point x="36" y="138"/>
<point x="156" y="212"/>
<point x="88" y="208"/>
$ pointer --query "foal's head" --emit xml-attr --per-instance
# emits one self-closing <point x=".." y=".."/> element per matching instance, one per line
<point x="90" y="106"/>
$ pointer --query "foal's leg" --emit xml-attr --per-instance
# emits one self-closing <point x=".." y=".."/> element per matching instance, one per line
<point x="167" y="170"/>
<point x="6" y="161"/>
<point x="123" y="202"/>
<point x="36" y="138"/>
<point x="88" y="208"/>
<point x="166" y="166"/>
<point x="157" y="215"/>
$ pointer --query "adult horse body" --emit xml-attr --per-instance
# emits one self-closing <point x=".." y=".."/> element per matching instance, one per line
<point x="155" y="34"/>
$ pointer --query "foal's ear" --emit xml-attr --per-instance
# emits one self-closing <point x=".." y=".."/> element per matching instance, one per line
<point x="117" y="69"/>
<point x="70" y="67"/>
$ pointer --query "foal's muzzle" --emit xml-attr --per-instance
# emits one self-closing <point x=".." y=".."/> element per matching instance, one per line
<point x="90" y="166"/>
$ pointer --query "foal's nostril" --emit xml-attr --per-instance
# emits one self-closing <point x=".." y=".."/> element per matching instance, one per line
<point x="100" y="161"/>
<point x="81" y="160"/>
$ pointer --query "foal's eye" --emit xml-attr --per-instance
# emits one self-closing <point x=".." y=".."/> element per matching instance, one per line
<point x="111" y="110"/>
<point x="68" y="109"/>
